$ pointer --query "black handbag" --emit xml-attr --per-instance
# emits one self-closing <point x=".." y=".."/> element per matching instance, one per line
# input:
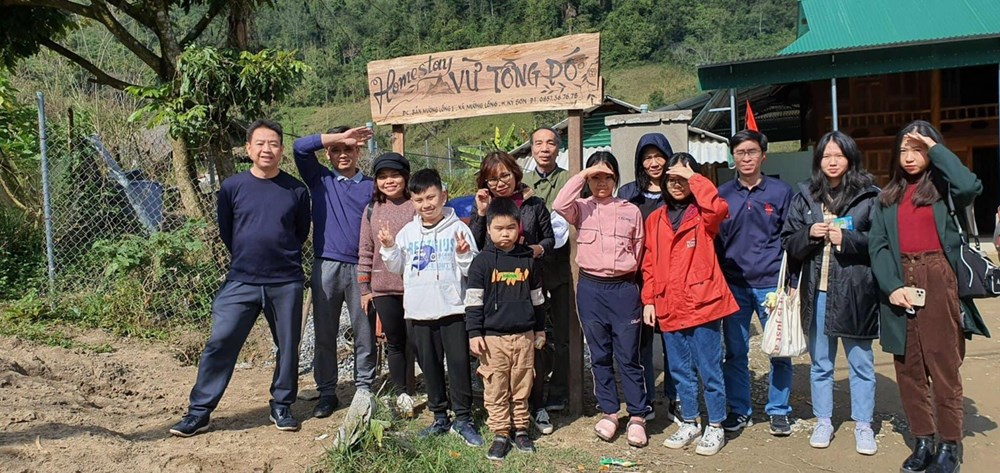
<point x="977" y="276"/>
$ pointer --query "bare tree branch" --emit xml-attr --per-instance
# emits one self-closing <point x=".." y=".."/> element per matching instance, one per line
<point x="72" y="7"/>
<point x="203" y="23"/>
<point x="100" y="76"/>
<point x="137" y="13"/>
<point x="104" y="15"/>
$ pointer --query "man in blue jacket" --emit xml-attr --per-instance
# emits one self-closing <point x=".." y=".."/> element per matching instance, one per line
<point x="263" y="217"/>
<point x="749" y="246"/>
<point x="339" y="198"/>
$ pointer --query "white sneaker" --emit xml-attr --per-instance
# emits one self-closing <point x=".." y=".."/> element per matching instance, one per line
<point x="821" y="436"/>
<point x="404" y="404"/>
<point x="711" y="441"/>
<point x="542" y="422"/>
<point x="688" y="432"/>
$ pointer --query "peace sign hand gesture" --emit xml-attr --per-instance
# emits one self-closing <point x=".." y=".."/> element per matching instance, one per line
<point x="461" y="244"/>
<point x="385" y="236"/>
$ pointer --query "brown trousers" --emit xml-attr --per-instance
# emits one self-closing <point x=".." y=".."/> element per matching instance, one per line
<point x="935" y="348"/>
<point x="508" y="371"/>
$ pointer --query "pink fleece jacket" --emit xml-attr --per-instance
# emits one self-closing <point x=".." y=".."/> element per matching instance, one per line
<point x="609" y="231"/>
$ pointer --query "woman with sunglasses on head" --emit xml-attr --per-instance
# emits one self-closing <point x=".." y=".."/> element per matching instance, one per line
<point x="914" y="244"/>
<point x="499" y="177"/>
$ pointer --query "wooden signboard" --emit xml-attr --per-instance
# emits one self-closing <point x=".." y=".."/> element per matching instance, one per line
<point x="557" y="74"/>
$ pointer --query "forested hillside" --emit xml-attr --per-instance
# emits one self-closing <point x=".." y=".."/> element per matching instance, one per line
<point x="338" y="37"/>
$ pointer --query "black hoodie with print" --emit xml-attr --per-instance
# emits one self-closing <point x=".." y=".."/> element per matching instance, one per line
<point x="504" y="294"/>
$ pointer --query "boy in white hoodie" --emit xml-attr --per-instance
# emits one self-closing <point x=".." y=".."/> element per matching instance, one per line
<point x="433" y="253"/>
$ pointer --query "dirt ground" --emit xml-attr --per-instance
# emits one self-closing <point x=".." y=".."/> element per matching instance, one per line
<point x="80" y="411"/>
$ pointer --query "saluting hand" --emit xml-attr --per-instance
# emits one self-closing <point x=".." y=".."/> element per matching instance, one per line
<point x="683" y="171"/>
<point x="461" y="244"/>
<point x="924" y="140"/>
<point x="354" y="136"/>
<point x="385" y="236"/>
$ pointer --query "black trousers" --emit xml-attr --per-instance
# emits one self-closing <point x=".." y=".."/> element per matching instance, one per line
<point x="435" y="340"/>
<point x="234" y="311"/>
<point x="390" y="312"/>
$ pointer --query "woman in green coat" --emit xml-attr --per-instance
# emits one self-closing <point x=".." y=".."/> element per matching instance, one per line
<point x="915" y="244"/>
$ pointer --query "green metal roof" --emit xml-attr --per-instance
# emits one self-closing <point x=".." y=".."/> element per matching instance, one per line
<point x="829" y="25"/>
<point x="850" y="38"/>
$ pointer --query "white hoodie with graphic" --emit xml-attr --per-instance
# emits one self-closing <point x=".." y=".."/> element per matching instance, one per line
<point x="433" y="274"/>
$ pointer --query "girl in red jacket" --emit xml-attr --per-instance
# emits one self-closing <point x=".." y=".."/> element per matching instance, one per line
<point x="686" y="294"/>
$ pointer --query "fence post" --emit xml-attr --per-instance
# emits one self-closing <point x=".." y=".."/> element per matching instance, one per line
<point x="46" y="204"/>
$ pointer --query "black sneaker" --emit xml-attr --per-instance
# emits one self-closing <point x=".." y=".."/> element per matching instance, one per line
<point x="735" y="422"/>
<point x="499" y="449"/>
<point x="283" y="420"/>
<point x="326" y="406"/>
<point x="441" y="425"/>
<point x="780" y="426"/>
<point x="523" y="442"/>
<point x="190" y="425"/>
<point x="466" y="430"/>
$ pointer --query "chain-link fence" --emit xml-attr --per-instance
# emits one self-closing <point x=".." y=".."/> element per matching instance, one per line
<point x="126" y="255"/>
<point x="123" y="249"/>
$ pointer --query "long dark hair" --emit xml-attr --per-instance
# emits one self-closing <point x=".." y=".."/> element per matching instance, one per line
<point x="926" y="193"/>
<point x="602" y="157"/>
<point x="853" y="182"/>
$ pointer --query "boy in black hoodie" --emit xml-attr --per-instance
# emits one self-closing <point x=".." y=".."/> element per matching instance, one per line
<point x="506" y="322"/>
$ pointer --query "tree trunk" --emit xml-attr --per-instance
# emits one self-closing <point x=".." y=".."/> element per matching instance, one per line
<point x="221" y="152"/>
<point x="185" y="176"/>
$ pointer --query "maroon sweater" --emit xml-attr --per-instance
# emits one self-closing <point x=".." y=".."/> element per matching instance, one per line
<point x="917" y="228"/>
<point x="372" y="275"/>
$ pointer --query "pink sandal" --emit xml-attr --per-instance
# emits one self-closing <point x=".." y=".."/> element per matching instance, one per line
<point x="606" y="427"/>
<point x="635" y="432"/>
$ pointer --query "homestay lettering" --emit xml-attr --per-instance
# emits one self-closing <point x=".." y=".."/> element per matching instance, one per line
<point x="509" y="75"/>
<point x="559" y="73"/>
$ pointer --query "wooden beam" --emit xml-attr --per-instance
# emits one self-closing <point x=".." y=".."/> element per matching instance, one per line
<point x="399" y="139"/>
<point x="936" y="98"/>
<point x="575" y="155"/>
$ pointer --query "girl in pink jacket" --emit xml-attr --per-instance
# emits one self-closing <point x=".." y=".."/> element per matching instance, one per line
<point x="608" y="245"/>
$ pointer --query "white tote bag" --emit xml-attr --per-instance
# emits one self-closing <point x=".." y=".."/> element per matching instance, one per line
<point x="784" y="335"/>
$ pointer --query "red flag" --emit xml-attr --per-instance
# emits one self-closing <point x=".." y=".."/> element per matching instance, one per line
<point x="751" y="122"/>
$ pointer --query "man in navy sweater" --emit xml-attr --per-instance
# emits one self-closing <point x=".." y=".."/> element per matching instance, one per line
<point x="749" y="248"/>
<point x="339" y="198"/>
<point x="263" y="218"/>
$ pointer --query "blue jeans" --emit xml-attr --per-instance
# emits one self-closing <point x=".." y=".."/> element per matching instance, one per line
<point x="736" y="367"/>
<point x="694" y="352"/>
<point x="649" y="371"/>
<point x="860" y="361"/>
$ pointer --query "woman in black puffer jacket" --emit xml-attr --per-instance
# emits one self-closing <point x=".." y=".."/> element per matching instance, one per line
<point x="826" y="236"/>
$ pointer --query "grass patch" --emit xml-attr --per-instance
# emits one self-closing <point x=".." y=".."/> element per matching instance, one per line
<point x="394" y="446"/>
<point x="30" y="318"/>
<point x="653" y="84"/>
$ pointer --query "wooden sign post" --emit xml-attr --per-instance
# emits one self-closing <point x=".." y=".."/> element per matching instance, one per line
<point x="557" y="74"/>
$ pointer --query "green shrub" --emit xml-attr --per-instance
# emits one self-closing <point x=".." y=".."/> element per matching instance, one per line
<point x="22" y="254"/>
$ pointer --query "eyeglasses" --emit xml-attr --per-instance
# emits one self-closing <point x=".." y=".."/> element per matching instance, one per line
<point x="505" y="177"/>
<point x="753" y="153"/>
<point x="677" y="182"/>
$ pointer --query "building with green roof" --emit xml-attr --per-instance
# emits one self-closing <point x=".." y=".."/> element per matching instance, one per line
<point x="870" y="67"/>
